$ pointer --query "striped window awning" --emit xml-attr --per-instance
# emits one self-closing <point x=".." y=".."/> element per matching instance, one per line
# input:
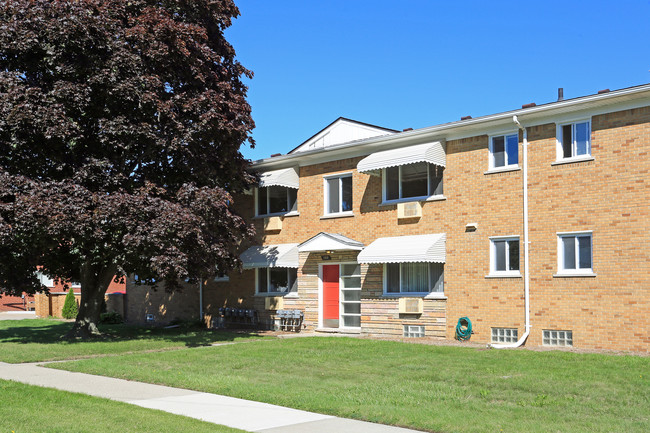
<point x="405" y="249"/>
<point x="270" y="256"/>
<point x="433" y="153"/>
<point x="287" y="177"/>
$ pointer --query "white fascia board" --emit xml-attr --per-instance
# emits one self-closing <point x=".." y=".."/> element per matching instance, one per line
<point x="615" y="100"/>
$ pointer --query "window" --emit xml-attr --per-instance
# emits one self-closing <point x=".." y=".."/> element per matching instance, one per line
<point x="557" y="338"/>
<point x="277" y="280"/>
<point x="413" y="278"/>
<point x="504" y="335"/>
<point x="338" y="194"/>
<point x="413" y="331"/>
<point x="351" y="295"/>
<point x="574" y="140"/>
<point x="574" y="253"/>
<point x="504" y="151"/>
<point x="275" y="200"/>
<point x="222" y="278"/>
<point x="420" y="180"/>
<point x="504" y="256"/>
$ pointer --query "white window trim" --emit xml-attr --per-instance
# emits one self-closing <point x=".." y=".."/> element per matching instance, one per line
<point x="385" y="201"/>
<point x="559" y="156"/>
<point x="506" y="167"/>
<point x="268" y="279"/>
<point x="493" y="258"/>
<point x="326" y="197"/>
<point x="266" y="215"/>
<point x="428" y="295"/>
<point x="578" y="272"/>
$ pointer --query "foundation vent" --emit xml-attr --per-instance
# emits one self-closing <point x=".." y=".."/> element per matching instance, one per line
<point x="411" y="305"/>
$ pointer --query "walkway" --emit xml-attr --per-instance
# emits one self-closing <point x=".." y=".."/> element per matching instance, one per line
<point x="233" y="412"/>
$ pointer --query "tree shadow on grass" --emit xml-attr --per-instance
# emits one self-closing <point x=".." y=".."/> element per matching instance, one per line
<point x="40" y="331"/>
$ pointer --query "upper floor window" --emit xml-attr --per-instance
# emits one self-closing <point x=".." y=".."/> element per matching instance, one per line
<point x="504" y="150"/>
<point x="338" y="194"/>
<point x="504" y="256"/>
<point x="575" y="253"/>
<point x="419" y="180"/>
<point x="574" y="140"/>
<point x="413" y="278"/>
<point x="276" y="200"/>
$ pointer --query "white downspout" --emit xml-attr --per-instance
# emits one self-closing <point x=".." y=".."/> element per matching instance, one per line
<point x="526" y="273"/>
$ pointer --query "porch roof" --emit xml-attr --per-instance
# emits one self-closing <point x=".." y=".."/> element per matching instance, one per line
<point x="433" y="153"/>
<point x="406" y="249"/>
<point x="287" y="177"/>
<point x="270" y="256"/>
<point x="330" y="241"/>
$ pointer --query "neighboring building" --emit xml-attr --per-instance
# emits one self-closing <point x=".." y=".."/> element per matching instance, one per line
<point x="372" y="231"/>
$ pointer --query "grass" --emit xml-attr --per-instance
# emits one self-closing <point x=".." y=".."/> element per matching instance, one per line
<point x="33" y="340"/>
<point x="29" y="408"/>
<point x="434" y="388"/>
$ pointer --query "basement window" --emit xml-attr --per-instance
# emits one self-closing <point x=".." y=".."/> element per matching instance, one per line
<point x="557" y="338"/>
<point x="413" y="331"/>
<point x="505" y="335"/>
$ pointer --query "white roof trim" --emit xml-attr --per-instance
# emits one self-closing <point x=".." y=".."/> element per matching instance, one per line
<point x="271" y="256"/>
<point x="406" y="249"/>
<point x="433" y="153"/>
<point x="330" y="241"/>
<point x="287" y="177"/>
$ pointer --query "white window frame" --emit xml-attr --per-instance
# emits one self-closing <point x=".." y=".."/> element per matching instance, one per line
<point x="559" y="139"/>
<point x="342" y="300"/>
<point x="507" y="165"/>
<point x="561" y="271"/>
<point x="268" y="280"/>
<point x="429" y="294"/>
<point x="493" y="257"/>
<point x="429" y="196"/>
<point x="288" y="213"/>
<point x="326" y="195"/>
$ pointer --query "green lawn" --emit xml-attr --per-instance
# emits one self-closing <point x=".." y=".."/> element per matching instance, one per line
<point x="442" y="389"/>
<point x="34" y="340"/>
<point x="27" y="408"/>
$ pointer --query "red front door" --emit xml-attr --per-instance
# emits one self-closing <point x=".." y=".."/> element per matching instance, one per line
<point x="331" y="296"/>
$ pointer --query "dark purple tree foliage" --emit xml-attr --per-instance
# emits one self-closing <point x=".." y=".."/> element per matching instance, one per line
<point x="120" y="128"/>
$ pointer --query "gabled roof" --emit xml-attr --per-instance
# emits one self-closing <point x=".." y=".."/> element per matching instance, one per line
<point x="330" y="241"/>
<point x="342" y="130"/>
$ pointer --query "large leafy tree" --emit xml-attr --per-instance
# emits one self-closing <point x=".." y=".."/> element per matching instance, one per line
<point x="120" y="128"/>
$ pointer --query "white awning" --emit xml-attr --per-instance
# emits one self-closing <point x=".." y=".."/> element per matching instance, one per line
<point x="330" y="241"/>
<point x="405" y="249"/>
<point x="433" y="153"/>
<point x="287" y="177"/>
<point x="271" y="256"/>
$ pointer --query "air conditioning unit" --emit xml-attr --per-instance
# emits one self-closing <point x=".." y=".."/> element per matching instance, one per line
<point x="273" y="224"/>
<point x="274" y="303"/>
<point x="412" y="209"/>
<point x="411" y="305"/>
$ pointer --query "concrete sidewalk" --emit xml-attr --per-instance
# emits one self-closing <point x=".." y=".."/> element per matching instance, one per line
<point x="233" y="412"/>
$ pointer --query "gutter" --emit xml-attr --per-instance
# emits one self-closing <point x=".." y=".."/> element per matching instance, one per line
<point x="526" y="242"/>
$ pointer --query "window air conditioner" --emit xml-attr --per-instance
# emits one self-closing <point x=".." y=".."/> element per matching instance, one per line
<point x="273" y="224"/>
<point x="411" y="305"/>
<point x="274" y="303"/>
<point x="412" y="209"/>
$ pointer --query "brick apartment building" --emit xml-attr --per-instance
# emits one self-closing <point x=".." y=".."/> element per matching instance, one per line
<point x="374" y="231"/>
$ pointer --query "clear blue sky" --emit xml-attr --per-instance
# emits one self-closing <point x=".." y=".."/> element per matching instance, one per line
<point x="417" y="63"/>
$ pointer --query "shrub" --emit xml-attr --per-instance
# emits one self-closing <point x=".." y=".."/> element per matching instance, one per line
<point x="111" y="318"/>
<point x="70" y="307"/>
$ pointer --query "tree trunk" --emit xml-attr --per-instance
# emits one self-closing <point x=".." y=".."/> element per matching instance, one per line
<point x="94" y="283"/>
